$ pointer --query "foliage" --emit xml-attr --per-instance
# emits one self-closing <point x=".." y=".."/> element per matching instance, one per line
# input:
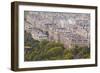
<point x="51" y="50"/>
<point x="68" y="54"/>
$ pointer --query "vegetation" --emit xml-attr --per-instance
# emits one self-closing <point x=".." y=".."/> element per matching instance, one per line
<point x="51" y="50"/>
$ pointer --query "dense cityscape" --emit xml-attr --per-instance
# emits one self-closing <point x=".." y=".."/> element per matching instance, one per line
<point x="67" y="28"/>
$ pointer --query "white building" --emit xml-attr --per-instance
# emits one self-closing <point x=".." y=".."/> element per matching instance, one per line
<point x="39" y="34"/>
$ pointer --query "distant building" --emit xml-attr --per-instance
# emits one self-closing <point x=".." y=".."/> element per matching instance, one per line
<point x="39" y="34"/>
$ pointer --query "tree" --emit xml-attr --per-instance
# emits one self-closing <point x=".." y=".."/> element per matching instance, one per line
<point x="55" y="53"/>
<point x="68" y="54"/>
<point x="27" y="39"/>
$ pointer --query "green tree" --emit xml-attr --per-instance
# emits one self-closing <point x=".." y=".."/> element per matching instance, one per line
<point x="68" y="54"/>
<point x="55" y="53"/>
